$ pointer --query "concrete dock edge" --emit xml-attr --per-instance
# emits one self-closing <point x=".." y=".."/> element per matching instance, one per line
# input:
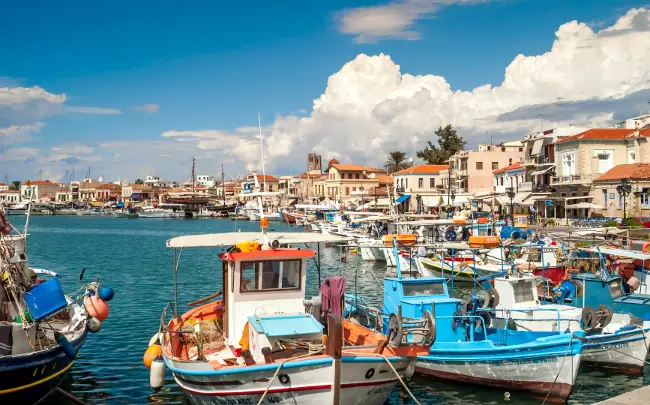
<point x="636" y="397"/>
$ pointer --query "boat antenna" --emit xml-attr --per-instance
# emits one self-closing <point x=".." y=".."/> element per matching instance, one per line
<point x="193" y="172"/>
<point x="259" y="125"/>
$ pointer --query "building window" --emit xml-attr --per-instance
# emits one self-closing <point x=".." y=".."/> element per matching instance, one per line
<point x="509" y="161"/>
<point x="420" y="182"/>
<point x="357" y="176"/>
<point x="631" y="155"/>
<point x="503" y="149"/>
<point x="407" y="183"/>
<point x="495" y="165"/>
<point x="432" y="182"/>
<point x="347" y="191"/>
<point x="620" y="200"/>
<point x="645" y="199"/>
<point x="569" y="163"/>
<point x="479" y="165"/>
<point x="521" y="149"/>
<point x="501" y="180"/>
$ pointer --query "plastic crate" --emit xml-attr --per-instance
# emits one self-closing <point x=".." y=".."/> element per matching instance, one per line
<point x="45" y="299"/>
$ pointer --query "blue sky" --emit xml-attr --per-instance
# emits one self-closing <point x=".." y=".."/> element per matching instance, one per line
<point x="212" y="66"/>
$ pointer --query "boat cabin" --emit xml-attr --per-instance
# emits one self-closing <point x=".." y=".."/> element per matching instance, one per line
<point x="265" y="283"/>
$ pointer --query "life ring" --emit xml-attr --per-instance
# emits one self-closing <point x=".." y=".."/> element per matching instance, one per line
<point x="646" y="247"/>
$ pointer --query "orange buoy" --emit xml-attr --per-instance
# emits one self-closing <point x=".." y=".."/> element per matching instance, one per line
<point x="153" y="352"/>
<point x="645" y="247"/>
<point x="96" y="307"/>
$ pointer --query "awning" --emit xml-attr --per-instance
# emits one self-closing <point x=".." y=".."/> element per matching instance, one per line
<point x="589" y="197"/>
<point x="95" y="203"/>
<point x="548" y="169"/>
<point x="586" y="205"/>
<point x="379" y="203"/>
<point x="537" y="147"/>
<point x="402" y="198"/>
<point x="430" y="200"/>
<point x="456" y="202"/>
<point x="534" y="198"/>
<point x="120" y="205"/>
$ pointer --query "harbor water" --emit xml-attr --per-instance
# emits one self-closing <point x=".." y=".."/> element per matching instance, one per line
<point x="130" y="255"/>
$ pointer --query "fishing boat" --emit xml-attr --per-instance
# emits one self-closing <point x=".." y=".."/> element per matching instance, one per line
<point x="468" y="349"/>
<point x="260" y="341"/>
<point x="124" y="214"/>
<point x="17" y="209"/>
<point x="612" y="340"/>
<point x="162" y="211"/>
<point x="42" y="330"/>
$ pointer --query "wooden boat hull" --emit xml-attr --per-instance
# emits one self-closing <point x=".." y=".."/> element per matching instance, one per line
<point x="30" y="378"/>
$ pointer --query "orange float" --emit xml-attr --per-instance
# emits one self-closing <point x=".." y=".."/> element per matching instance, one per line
<point x="483" y="241"/>
<point x="153" y="352"/>
<point x="406" y="239"/>
<point x="96" y="307"/>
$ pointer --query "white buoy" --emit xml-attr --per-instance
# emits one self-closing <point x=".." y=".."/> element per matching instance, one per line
<point x="157" y="375"/>
<point x="94" y="325"/>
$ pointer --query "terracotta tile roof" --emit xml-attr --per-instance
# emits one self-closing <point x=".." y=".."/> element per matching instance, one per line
<point x="40" y="183"/>
<point x="261" y="177"/>
<point x="9" y="191"/>
<point x="384" y="178"/>
<point x="606" y="134"/>
<point x="513" y="166"/>
<point x="140" y="187"/>
<point x="356" y="168"/>
<point x="634" y="171"/>
<point x="423" y="169"/>
<point x="3" y="184"/>
<point x="309" y="176"/>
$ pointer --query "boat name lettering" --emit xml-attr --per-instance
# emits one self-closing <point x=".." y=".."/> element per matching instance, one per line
<point x="522" y="362"/>
<point x="245" y="401"/>
<point x="605" y="346"/>
<point x="382" y="390"/>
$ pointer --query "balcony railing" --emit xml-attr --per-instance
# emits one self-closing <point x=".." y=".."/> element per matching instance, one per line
<point x="526" y="186"/>
<point x="575" y="179"/>
<point x="461" y="173"/>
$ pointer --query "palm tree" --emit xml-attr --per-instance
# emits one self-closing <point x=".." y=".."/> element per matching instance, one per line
<point x="15" y="185"/>
<point x="396" y="161"/>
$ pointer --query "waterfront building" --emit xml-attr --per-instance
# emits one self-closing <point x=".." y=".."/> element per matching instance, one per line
<point x="640" y="122"/>
<point x="132" y="193"/>
<point x="63" y="196"/>
<point x="155" y="181"/>
<point x="423" y="186"/>
<point x="289" y="186"/>
<point x="605" y="193"/>
<point x="4" y="187"/>
<point x="585" y="157"/>
<point x="206" y="181"/>
<point x="471" y="170"/>
<point x="9" y="197"/>
<point x="348" y="182"/>
<point x="38" y="189"/>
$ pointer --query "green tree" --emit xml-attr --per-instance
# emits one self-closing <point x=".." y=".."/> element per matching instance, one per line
<point x="449" y="143"/>
<point x="15" y="185"/>
<point x="396" y="161"/>
<point x="139" y="181"/>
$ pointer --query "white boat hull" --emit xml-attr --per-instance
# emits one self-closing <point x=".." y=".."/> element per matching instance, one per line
<point x="555" y="373"/>
<point x="310" y="384"/>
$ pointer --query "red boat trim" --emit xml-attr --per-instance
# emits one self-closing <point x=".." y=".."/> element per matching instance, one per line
<point x="557" y="390"/>
<point x="319" y="387"/>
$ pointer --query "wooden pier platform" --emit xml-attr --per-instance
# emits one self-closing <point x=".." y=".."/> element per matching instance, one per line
<point x="636" y="397"/>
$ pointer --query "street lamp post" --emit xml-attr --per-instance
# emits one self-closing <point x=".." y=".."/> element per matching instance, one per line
<point x="624" y="189"/>
<point x="510" y="192"/>
<point x="453" y="197"/>
<point x="363" y="200"/>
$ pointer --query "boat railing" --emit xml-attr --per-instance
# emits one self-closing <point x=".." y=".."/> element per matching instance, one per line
<point x="507" y="312"/>
<point x="175" y="345"/>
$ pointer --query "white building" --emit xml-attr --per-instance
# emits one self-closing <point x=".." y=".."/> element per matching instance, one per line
<point x="422" y="184"/>
<point x="155" y="181"/>
<point x="39" y="189"/>
<point x="206" y="181"/>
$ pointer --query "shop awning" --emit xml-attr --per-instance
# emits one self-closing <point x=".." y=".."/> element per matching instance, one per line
<point x="402" y="198"/>
<point x="544" y="171"/>
<point x="586" y="205"/>
<point x="443" y="201"/>
<point x="95" y="203"/>
<point x="533" y="199"/>
<point x="537" y="147"/>
<point x="587" y="197"/>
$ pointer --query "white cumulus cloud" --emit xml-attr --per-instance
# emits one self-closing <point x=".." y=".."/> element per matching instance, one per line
<point x="148" y="108"/>
<point x="370" y="106"/>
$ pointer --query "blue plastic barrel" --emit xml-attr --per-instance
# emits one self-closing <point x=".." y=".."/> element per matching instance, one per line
<point x="45" y="299"/>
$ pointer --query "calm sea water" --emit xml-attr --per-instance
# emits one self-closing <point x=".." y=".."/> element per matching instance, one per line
<point x="130" y="255"/>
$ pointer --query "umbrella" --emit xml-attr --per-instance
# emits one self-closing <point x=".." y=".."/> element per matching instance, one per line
<point x="587" y="205"/>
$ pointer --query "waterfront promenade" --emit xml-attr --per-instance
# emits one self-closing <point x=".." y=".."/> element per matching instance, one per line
<point x="636" y="397"/>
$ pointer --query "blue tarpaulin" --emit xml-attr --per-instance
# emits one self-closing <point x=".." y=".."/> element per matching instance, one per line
<point x="402" y="198"/>
<point x="120" y="205"/>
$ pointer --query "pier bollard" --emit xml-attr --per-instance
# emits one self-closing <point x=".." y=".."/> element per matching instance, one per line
<point x="334" y="348"/>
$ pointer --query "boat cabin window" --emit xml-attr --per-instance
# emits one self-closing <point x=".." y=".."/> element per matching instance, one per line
<point x="615" y="289"/>
<point x="270" y="275"/>
<point x="523" y="290"/>
<point x="419" y="289"/>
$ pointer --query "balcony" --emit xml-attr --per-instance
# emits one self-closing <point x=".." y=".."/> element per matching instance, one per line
<point x="526" y="186"/>
<point x="575" y="179"/>
<point x="461" y="173"/>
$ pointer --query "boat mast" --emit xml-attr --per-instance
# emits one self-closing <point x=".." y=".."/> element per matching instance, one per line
<point x="193" y="172"/>
<point x="223" y="186"/>
<point x="259" y="125"/>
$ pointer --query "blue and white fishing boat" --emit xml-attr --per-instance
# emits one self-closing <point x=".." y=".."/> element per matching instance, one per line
<point x="468" y="349"/>
<point x="615" y="340"/>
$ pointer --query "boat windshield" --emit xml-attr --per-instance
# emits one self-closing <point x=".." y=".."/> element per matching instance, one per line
<point x="420" y="289"/>
<point x="615" y="289"/>
<point x="270" y="275"/>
